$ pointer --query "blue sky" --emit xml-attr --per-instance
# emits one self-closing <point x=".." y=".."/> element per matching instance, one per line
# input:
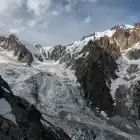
<point x="51" y="22"/>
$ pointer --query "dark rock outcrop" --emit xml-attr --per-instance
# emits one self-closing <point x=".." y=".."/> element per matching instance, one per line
<point x="28" y="124"/>
<point x="94" y="73"/>
<point x="125" y="37"/>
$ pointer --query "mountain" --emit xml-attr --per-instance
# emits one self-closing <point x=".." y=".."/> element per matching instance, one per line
<point x="12" y="43"/>
<point x="89" y="89"/>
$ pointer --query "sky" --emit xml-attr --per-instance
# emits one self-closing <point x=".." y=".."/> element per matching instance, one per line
<point x="52" y="22"/>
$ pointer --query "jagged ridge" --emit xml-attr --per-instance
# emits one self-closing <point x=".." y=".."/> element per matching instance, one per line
<point x="12" y="43"/>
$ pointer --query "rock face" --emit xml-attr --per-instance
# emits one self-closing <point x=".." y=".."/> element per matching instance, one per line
<point x="110" y="46"/>
<point x="121" y="38"/>
<point x="93" y="72"/>
<point x="28" y="124"/>
<point x="12" y="43"/>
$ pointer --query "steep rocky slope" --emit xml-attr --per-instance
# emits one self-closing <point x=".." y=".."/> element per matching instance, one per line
<point x="94" y="73"/>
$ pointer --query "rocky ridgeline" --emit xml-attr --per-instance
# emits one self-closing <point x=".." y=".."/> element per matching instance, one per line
<point x="122" y="39"/>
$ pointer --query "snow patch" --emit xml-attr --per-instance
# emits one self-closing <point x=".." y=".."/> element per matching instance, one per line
<point x="104" y="114"/>
<point x="109" y="33"/>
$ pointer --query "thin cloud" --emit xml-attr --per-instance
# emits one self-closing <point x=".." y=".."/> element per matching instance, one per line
<point x="38" y="6"/>
<point x="88" y="19"/>
<point x="55" y="13"/>
<point x="31" y="23"/>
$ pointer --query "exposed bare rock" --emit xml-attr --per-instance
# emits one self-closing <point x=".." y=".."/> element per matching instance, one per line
<point x="121" y="38"/>
<point x="93" y="72"/>
<point x="110" y="46"/>
<point x="125" y="37"/>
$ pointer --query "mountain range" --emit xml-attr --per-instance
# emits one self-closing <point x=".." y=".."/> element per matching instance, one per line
<point x="89" y="89"/>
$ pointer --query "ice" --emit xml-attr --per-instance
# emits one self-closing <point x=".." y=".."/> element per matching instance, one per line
<point x="4" y="107"/>
<point x="5" y="110"/>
